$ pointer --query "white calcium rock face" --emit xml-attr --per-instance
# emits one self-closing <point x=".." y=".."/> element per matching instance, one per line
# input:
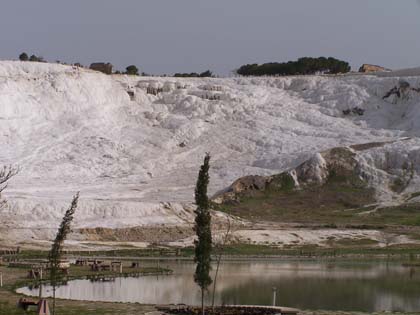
<point x="135" y="160"/>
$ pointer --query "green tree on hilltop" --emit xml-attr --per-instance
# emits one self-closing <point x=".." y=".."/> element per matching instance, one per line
<point x="132" y="70"/>
<point x="35" y="58"/>
<point x="23" y="57"/>
<point x="302" y="66"/>
<point x="206" y="73"/>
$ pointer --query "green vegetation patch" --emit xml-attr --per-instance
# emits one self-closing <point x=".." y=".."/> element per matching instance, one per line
<point x="407" y="214"/>
<point x="398" y="185"/>
<point x="332" y="203"/>
<point x="282" y="182"/>
<point x="302" y="66"/>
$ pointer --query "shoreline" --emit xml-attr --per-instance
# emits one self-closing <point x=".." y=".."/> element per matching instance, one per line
<point x="126" y="308"/>
<point x="69" y="307"/>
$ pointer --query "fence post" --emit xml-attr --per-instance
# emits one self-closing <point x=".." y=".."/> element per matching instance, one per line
<point x="274" y="295"/>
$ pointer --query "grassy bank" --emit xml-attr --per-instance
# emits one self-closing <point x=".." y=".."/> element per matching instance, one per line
<point x="14" y="278"/>
<point x="345" y="248"/>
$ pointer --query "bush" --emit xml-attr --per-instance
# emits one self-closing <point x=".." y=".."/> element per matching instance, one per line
<point x="187" y="75"/>
<point x="23" y="57"/>
<point x="132" y="70"/>
<point x="355" y="110"/>
<point x="302" y="66"/>
<point x="36" y="59"/>
<point x="204" y="74"/>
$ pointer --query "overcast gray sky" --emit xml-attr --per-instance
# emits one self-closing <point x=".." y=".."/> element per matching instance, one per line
<point x="167" y="36"/>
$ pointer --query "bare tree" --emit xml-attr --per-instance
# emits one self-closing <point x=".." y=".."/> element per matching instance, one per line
<point x="220" y="249"/>
<point x="6" y="173"/>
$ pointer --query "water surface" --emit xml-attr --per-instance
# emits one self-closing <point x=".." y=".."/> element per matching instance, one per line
<point x="306" y="285"/>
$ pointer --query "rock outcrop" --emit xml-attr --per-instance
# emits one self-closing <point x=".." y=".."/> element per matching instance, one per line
<point x="337" y="162"/>
<point x="402" y="90"/>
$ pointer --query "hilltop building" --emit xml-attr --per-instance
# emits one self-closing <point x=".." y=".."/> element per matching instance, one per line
<point x="367" y="68"/>
<point x="102" y="67"/>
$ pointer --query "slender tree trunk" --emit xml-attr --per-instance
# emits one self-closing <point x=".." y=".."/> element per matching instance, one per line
<point x="202" y="301"/>
<point x="40" y="290"/>
<point x="53" y="308"/>
<point x="219" y="259"/>
<point x="214" y="282"/>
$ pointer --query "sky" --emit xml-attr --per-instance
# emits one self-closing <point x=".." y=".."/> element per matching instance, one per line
<point x="168" y="36"/>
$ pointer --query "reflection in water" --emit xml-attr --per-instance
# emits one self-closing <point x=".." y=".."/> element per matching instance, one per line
<point x="306" y="285"/>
